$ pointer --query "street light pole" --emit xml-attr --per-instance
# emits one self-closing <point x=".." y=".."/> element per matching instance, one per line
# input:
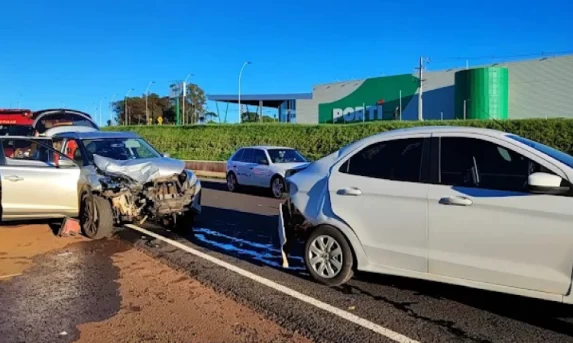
<point x="126" y="121"/>
<point x="100" y="110"/>
<point x="240" y="74"/>
<point x="185" y="95"/>
<point x="146" y="94"/>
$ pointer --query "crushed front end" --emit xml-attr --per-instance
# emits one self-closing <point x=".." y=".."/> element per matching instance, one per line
<point x="161" y="198"/>
<point x="292" y="226"/>
<point x="142" y="192"/>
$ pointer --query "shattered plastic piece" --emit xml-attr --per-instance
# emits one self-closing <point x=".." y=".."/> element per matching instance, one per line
<point x="63" y="333"/>
<point x="140" y="171"/>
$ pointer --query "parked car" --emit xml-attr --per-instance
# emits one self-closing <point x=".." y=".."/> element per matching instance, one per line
<point x="263" y="166"/>
<point x="104" y="178"/>
<point x="466" y="206"/>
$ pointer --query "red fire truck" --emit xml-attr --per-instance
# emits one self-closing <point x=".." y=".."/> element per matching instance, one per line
<point x="16" y="122"/>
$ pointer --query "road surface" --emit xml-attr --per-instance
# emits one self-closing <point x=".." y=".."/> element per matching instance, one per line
<point x="241" y="229"/>
<point x="75" y="290"/>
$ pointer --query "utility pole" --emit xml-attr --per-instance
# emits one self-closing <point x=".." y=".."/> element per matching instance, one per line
<point x="421" y="91"/>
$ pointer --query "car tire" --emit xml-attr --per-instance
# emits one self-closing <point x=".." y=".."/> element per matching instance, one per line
<point x="341" y="271"/>
<point x="96" y="216"/>
<point x="232" y="183"/>
<point x="278" y="181"/>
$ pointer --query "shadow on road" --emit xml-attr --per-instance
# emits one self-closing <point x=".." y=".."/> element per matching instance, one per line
<point x="552" y="316"/>
<point x="222" y="186"/>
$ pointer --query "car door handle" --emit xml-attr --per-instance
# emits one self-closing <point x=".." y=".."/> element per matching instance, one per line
<point x="349" y="191"/>
<point x="456" y="201"/>
<point x="13" y="178"/>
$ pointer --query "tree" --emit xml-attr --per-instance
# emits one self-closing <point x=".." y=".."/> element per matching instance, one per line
<point x="210" y="116"/>
<point x="157" y="106"/>
<point x="194" y="104"/>
<point x="253" y="117"/>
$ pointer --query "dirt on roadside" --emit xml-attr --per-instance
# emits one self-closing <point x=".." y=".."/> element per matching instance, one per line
<point x="20" y="243"/>
<point x="160" y="304"/>
<point x="73" y="289"/>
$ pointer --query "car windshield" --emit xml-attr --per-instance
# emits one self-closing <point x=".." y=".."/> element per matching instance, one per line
<point x="556" y="154"/>
<point x="285" y="156"/>
<point x="120" y="148"/>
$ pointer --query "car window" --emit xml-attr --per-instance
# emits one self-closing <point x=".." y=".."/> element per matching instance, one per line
<point x="23" y="152"/>
<point x="237" y="156"/>
<point x="259" y="155"/>
<point x="285" y="156"/>
<point x="72" y="150"/>
<point x="549" y="151"/>
<point x="247" y="156"/>
<point x="398" y="160"/>
<point x="471" y="162"/>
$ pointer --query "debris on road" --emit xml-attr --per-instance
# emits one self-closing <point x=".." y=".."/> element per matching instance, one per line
<point x="69" y="227"/>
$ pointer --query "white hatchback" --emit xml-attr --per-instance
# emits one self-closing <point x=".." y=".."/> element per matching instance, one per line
<point x="263" y="166"/>
<point x="467" y="206"/>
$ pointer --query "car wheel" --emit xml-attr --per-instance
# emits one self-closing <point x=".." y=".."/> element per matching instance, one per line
<point x="96" y="217"/>
<point x="232" y="183"/>
<point x="278" y="187"/>
<point x="328" y="256"/>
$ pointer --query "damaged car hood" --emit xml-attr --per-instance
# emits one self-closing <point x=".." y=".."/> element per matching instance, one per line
<point x="141" y="170"/>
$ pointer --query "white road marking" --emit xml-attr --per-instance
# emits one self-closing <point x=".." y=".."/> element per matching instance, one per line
<point x="394" y="336"/>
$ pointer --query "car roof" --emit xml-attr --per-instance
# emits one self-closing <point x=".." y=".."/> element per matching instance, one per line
<point x="405" y="132"/>
<point x="266" y="147"/>
<point x="96" y="135"/>
<point x="443" y="129"/>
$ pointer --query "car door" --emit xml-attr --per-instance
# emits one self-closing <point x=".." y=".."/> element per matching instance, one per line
<point x="260" y="169"/>
<point x="484" y="226"/>
<point x="35" y="183"/>
<point x="234" y="162"/>
<point x="245" y="168"/>
<point x="380" y="193"/>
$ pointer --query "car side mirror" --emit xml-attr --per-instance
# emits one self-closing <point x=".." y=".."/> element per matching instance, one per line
<point x="166" y="154"/>
<point x="545" y="183"/>
<point x="264" y="162"/>
<point x="65" y="163"/>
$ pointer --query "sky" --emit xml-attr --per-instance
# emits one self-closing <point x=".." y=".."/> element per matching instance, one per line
<point x="79" y="54"/>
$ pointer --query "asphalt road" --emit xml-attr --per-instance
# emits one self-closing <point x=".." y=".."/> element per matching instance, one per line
<point x="241" y="229"/>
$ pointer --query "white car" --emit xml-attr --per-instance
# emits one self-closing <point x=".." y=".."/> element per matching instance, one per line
<point x="466" y="206"/>
<point x="263" y="166"/>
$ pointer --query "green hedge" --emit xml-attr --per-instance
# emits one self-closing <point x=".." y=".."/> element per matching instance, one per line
<point x="218" y="141"/>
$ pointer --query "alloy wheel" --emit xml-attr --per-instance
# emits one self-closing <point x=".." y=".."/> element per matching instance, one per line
<point x="325" y="256"/>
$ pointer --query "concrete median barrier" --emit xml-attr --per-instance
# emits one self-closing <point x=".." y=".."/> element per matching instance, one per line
<point x="208" y="169"/>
